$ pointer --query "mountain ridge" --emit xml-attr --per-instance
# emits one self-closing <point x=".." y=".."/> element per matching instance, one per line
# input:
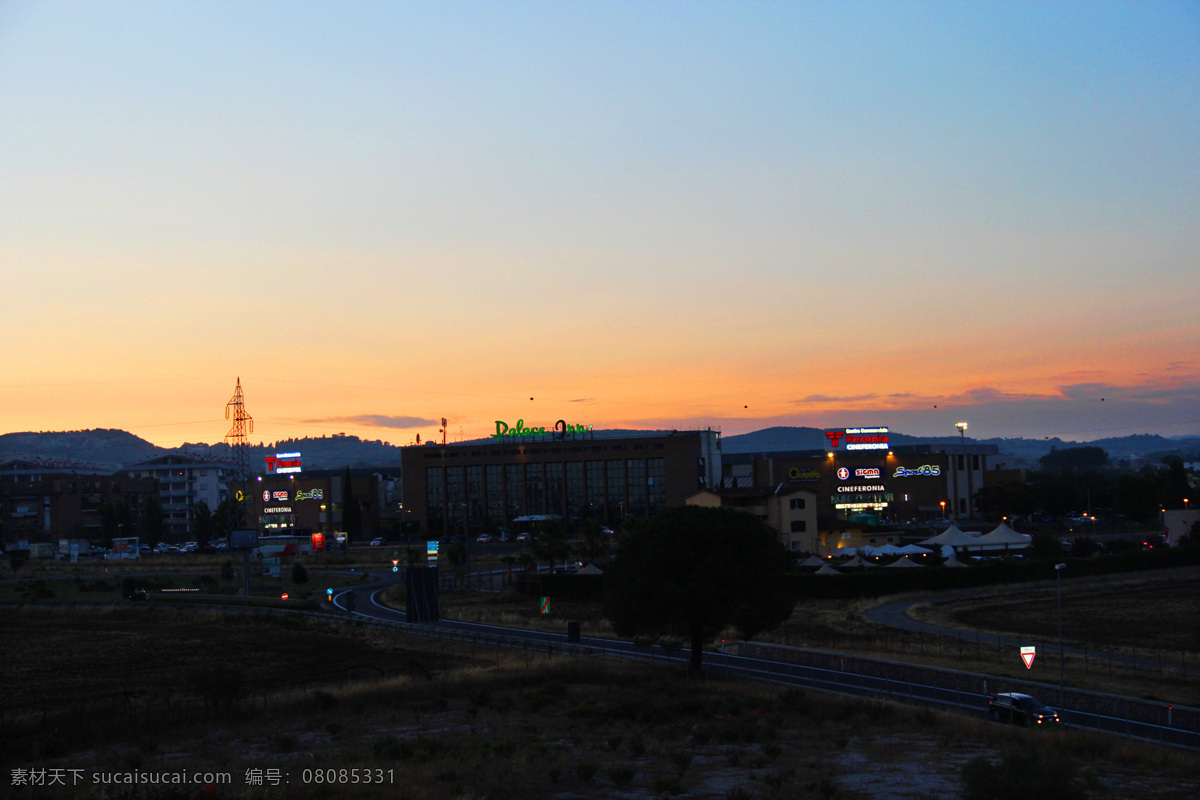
<point x="114" y="449"/>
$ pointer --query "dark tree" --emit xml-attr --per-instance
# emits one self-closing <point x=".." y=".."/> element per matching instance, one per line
<point x="202" y="523"/>
<point x="299" y="574"/>
<point x="152" y="520"/>
<point x="549" y="543"/>
<point x="690" y="572"/>
<point x="1006" y="499"/>
<point x="114" y="520"/>
<point x="227" y="518"/>
<point x="595" y="542"/>
<point x="1078" y="458"/>
<point x="1175" y="485"/>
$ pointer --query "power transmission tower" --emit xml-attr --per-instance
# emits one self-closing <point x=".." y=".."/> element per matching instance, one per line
<point x="243" y="423"/>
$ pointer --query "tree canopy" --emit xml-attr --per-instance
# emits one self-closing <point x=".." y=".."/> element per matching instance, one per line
<point x="691" y="571"/>
<point x="1082" y="458"/>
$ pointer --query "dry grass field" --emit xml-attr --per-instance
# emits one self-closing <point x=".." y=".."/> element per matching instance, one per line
<point x="1155" y="614"/>
<point x="156" y="691"/>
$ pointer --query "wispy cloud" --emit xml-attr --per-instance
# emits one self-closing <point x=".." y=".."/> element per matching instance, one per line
<point x="825" y="398"/>
<point x="377" y="421"/>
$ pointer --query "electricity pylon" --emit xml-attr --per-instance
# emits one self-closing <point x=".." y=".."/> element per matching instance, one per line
<point x="243" y="423"/>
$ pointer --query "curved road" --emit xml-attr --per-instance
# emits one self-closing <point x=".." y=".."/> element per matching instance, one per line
<point x="880" y="684"/>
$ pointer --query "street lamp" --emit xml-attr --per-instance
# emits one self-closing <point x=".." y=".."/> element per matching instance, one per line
<point x="1058" y="568"/>
<point x="943" y="504"/>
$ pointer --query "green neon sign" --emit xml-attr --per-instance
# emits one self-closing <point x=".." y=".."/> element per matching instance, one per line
<point x="560" y="430"/>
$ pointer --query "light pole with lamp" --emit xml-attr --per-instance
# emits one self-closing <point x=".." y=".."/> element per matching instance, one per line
<point x="1058" y="568"/>
<point x="962" y="435"/>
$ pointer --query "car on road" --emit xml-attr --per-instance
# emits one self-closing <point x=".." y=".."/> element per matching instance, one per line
<point x="522" y="537"/>
<point x="1021" y="709"/>
<point x="378" y="541"/>
<point x="484" y="538"/>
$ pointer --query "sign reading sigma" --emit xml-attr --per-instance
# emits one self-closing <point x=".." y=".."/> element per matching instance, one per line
<point x="560" y="430"/>
<point x="860" y="473"/>
<point x="859" y="438"/>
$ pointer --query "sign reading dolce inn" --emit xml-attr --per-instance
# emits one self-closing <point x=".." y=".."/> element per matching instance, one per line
<point x="859" y="438"/>
<point x="560" y="430"/>
<point x="283" y="463"/>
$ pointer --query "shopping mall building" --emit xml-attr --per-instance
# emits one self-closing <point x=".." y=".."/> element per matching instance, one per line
<point x="862" y="479"/>
<point x="569" y="471"/>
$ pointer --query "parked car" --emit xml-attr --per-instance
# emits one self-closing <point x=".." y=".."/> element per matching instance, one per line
<point x="484" y="538"/>
<point x="1153" y="540"/>
<point x="378" y="541"/>
<point x="522" y="537"/>
<point x="1021" y="709"/>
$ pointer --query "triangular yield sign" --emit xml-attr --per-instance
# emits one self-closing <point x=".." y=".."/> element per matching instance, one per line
<point x="1028" y="659"/>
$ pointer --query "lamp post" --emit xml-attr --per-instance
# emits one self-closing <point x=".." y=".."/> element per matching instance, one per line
<point x="962" y="436"/>
<point x="1058" y="568"/>
<point x="943" y="504"/>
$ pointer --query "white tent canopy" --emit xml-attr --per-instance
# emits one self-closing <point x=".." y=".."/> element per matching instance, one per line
<point x="827" y="570"/>
<point x="1003" y="537"/>
<point x="913" y="550"/>
<point x="813" y="561"/>
<point x="889" y="550"/>
<point x="953" y="537"/>
<point x="904" y="562"/>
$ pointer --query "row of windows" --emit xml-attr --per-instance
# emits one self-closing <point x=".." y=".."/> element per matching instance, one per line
<point x="534" y="451"/>
<point x="612" y="489"/>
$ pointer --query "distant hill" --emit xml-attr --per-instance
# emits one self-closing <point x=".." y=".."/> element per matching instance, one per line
<point x="100" y="448"/>
<point x="114" y="449"/>
<point x="1025" y="451"/>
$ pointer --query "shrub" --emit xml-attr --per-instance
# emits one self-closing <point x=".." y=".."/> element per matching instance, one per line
<point x="621" y="775"/>
<point x="1036" y="775"/>
<point x="586" y="770"/>
<point x="668" y="784"/>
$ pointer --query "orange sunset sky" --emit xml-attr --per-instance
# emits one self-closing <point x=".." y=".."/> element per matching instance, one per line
<point x="618" y="214"/>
